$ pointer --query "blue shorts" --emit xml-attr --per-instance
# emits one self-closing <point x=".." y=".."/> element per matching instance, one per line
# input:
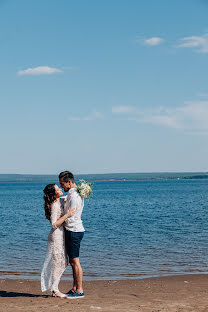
<point x="72" y="241"/>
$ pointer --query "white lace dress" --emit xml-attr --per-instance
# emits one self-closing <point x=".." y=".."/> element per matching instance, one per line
<point x="56" y="259"/>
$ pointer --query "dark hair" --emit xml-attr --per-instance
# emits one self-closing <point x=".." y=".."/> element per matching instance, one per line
<point x="66" y="176"/>
<point x="49" y="197"/>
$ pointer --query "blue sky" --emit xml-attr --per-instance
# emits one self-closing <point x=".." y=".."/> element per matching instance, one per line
<point x="103" y="86"/>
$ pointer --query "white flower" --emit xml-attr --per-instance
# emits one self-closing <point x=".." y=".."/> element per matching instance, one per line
<point x="84" y="189"/>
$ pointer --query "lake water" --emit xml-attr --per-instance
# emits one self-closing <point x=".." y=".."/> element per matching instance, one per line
<point x="134" y="228"/>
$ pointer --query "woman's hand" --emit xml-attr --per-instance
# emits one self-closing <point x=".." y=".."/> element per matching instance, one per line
<point x="71" y="212"/>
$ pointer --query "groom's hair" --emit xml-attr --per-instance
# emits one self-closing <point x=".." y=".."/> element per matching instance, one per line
<point x="66" y="176"/>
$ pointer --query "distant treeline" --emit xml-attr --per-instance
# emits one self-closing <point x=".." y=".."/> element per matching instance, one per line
<point x="202" y="176"/>
<point x="27" y="178"/>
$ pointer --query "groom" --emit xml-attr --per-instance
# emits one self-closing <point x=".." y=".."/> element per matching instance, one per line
<point x="74" y="232"/>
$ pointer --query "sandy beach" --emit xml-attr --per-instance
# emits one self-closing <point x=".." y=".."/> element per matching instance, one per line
<point x="171" y="294"/>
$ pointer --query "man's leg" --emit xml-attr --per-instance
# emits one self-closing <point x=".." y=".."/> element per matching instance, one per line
<point x="77" y="274"/>
<point x="73" y="253"/>
<point x="68" y="244"/>
<point x="74" y="288"/>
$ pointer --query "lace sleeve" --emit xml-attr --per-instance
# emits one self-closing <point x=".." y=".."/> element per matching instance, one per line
<point x="54" y="216"/>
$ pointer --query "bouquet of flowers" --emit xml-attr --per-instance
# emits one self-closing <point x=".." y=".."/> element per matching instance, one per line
<point x="84" y="189"/>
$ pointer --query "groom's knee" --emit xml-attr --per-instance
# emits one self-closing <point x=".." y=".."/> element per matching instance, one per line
<point x="74" y="261"/>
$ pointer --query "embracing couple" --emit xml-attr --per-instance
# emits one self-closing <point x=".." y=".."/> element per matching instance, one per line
<point x="67" y="231"/>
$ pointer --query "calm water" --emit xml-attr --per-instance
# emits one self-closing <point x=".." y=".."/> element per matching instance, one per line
<point x="134" y="229"/>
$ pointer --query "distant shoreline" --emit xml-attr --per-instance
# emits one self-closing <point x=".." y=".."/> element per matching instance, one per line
<point x="107" y="177"/>
<point x="90" y="277"/>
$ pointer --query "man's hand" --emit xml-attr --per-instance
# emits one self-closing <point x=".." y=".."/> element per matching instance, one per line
<point x="71" y="212"/>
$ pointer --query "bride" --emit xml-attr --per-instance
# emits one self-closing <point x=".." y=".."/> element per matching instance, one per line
<point x="56" y="260"/>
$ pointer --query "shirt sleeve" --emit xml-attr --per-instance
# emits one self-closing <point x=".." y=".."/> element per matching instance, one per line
<point x="54" y="216"/>
<point x="73" y="202"/>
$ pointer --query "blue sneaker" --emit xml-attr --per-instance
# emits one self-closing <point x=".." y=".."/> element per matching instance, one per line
<point x="75" y="295"/>
<point x="70" y="292"/>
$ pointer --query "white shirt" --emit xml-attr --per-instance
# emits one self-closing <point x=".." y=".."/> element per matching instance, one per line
<point x="73" y="200"/>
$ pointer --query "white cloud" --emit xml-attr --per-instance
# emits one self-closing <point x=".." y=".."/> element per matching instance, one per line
<point x="191" y="116"/>
<point x="93" y="116"/>
<point x="195" y="115"/>
<point x="162" y="120"/>
<point x="203" y="94"/>
<point x="74" y="118"/>
<point x="87" y="118"/>
<point x="96" y="114"/>
<point x="159" y="116"/>
<point x="122" y="109"/>
<point x="40" y="70"/>
<point x="154" y="41"/>
<point x="200" y="43"/>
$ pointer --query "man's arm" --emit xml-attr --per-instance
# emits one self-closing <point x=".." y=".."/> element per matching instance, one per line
<point x="73" y="202"/>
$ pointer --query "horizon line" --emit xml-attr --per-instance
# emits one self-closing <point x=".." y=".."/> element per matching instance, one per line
<point x="141" y="172"/>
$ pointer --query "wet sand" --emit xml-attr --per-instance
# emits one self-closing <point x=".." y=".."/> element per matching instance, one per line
<point x="175" y="293"/>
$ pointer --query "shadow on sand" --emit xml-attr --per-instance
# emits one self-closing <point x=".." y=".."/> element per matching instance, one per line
<point x="16" y="294"/>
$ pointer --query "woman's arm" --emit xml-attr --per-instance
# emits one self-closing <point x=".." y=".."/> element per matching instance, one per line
<point x="55" y="220"/>
<point x="69" y="214"/>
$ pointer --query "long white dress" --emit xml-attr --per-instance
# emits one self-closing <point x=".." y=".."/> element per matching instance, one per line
<point x="56" y="259"/>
